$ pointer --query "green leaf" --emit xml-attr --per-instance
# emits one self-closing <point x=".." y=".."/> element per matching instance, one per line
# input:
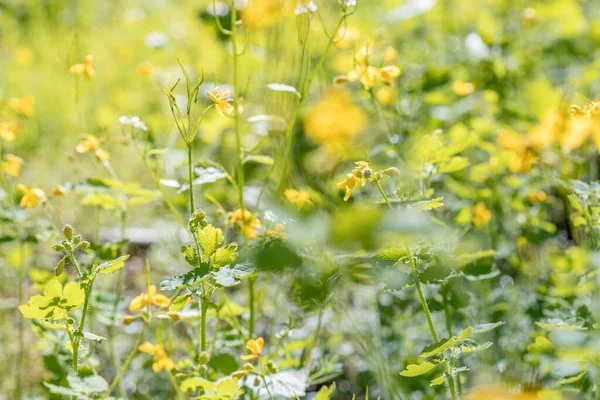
<point x="572" y="379"/>
<point x="231" y="275"/>
<point x="540" y="345"/>
<point x="477" y="348"/>
<point x="192" y="384"/>
<point x="188" y="279"/>
<point x="455" y="164"/>
<point x="325" y="393"/>
<point x="210" y="238"/>
<point x="428" y="204"/>
<point x="224" y="255"/>
<point x="437" y="348"/>
<point x="208" y="174"/>
<point x="190" y="255"/>
<point x="559" y="325"/>
<point x="487" y="327"/>
<point x="280" y="87"/>
<point x="105" y="200"/>
<point x="223" y="362"/>
<point x="109" y="267"/>
<point x="94" y="337"/>
<point x="438" y="381"/>
<point x="266" y="160"/>
<point x="418" y="369"/>
<point x="179" y="302"/>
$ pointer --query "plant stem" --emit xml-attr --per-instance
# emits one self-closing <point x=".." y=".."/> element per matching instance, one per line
<point x="132" y="354"/>
<point x="204" y="309"/>
<point x="315" y="338"/>
<point x="191" y="177"/>
<point x="79" y="332"/>
<point x="251" y="304"/>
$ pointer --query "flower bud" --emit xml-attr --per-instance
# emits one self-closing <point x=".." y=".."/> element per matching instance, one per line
<point x="249" y="367"/>
<point x="367" y="173"/>
<point x="68" y="232"/>
<point x="203" y="358"/>
<point x="83" y="245"/>
<point x="239" y="374"/>
<point x="58" y="247"/>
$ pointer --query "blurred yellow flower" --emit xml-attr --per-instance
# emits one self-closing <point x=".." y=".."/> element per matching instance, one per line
<point x="23" y="56"/>
<point x="23" y="105"/>
<point x="496" y="392"/>
<point x="31" y="196"/>
<point x="255" y="346"/>
<point x="245" y="222"/>
<point x="299" y="198"/>
<point x="161" y="360"/>
<point x="368" y="74"/>
<point x="9" y="130"/>
<point x="585" y="123"/>
<point x="462" y="88"/>
<point x="535" y="196"/>
<point x="145" y="70"/>
<point x="58" y="190"/>
<point x="345" y="35"/>
<point x="552" y="123"/>
<point x="481" y="215"/>
<point x="150" y="298"/>
<point x="277" y="232"/>
<point x="87" y="144"/>
<point x="12" y="165"/>
<point x="84" y="69"/>
<point x="221" y="100"/>
<point x="522" y="155"/>
<point x="260" y="13"/>
<point x="389" y="55"/>
<point x="385" y="95"/>
<point x="334" y="121"/>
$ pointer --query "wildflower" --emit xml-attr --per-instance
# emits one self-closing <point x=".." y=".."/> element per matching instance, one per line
<point x="277" y="232"/>
<point x="12" y="165"/>
<point x="255" y="346"/>
<point x="385" y="95"/>
<point x="23" y="105"/>
<point x="145" y="70"/>
<point x="31" y="196"/>
<point x="551" y="124"/>
<point x="368" y="74"/>
<point x="522" y="242"/>
<point x="462" y="88"/>
<point x="528" y="16"/>
<point x="345" y="35"/>
<point x="150" y="298"/>
<point x="334" y="121"/>
<point x="221" y="100"/>
<point x="134" y="121"/>
<point x="260" y="13"/>
<point x="84" y="69"/>
<point x="349" y="183"/>
<point x="360" y="175"/>
<point x="481" y="215"/>
<point x="161" y="360"/>
<point x="88" y="144"/>
<point x="9" y="130"/>
<point x="245" y="222"/>
<point x="390" y="54"/>
<point x="585" y="123"/>
<point x="523" y="157"/>
<point x="299" y="198"/>
<point x="58" y="190"/>
<point x="536" y="197"/>
<point x="389" y="73"/>
<point x="54" y="302"/>
<point x="311" y="7"/>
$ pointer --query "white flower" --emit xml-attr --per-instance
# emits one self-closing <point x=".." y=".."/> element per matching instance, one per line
<point x="304" y="8"/>
<point x="156" y="40"/>
<point x="140" y="125"/>
<point x="135" y="121"/>
<point x="312" y="7"/>
<point x="350" y="3"/>
<point x="124" y="120"/>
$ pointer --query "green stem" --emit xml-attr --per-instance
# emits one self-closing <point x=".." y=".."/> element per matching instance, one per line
<point x="267" y="387"/>
<point x="79" y="333"/>
<point x="315" y="338"/>
<point x="191" y="178"/>
<point x="204" y="309"/>
<point x="236" y="116"/>
<point x="132" y="354"/>
<point x="385" y="198"/>
<point x="251" y="323"/>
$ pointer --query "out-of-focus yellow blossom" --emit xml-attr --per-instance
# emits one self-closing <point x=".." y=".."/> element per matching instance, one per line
<point x="221" y="100"/>
<point x="23" y="56"/>
<point x="368" y="74"/>
<point x="87" y="144"/>
<point x="385" y="95"/>
<point x="523" y="155"/>
<point x="245" y="222"/>
<point x="12" y="165"/>
<point x="84" y="69"/>
<point x="498" y="393"/>
<point x="9" y="130"/>
<point x="585" y="123"/>
<point x="145" y="69"/>
<point x="481" y="215"/>
<point x="255" y="346"/>
<point x="462" y="88"/>
<point x="58" y="190"/>
<point x="536" y="196"/>
<point x="23" y="105"/>
<point x="552" y="123"/>
<point x="345" y="36"/>
<point x="277" y="232"/>
<point x="150" y="298"/>
<point x="299" y="198"/>
<point x="161" y="360"/>
<point x="356" y="177"/>
<point x="31" y="196"/>
<point x="390" y="54"/>
<point x="334" y="121"/>
<point x="528" y="16"/>
<point x="260" y="13"/>
<point x="522" y="242"/>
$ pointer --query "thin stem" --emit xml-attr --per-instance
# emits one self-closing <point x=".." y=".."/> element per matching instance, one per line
<point x="79" y="332"/>
<point x="267" y="387"/>
<point x="132" y="354"/>
<point x="191" y="178"/>
<point x="236" y="114"/>
<point x="315" y="338"/>
<point x="251" y="304"/>
<point x="385" y="198"/>
<point x="204" y="309"/>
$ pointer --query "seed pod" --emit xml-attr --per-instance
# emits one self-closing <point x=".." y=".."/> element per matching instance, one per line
<point x="60" y="267"/>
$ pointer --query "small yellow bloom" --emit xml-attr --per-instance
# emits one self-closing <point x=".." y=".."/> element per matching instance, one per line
<point x="58" y="190"/>
<point x="260" y="13"/>
<point x="299" y="198"/>
<point x="12" y="165"/>
<point x="245" y="222"/>
<point x="161" y="360"/>
<point x="523" y="155"/>
<point x="87" y="144"/>
<point x="345" y="35"/>
<point x="385" y="95"/>
<point x="481" y="215"/>
<point x="389" y="73"/>
<point x="389" y="55"/>
<point x="31" y="196"/>
<point x="349" y="183"/>
<point x="462" y="88"/>
<point x="150" y="298"/>
<point x="522" y="242"/>
<point x="277" y="232"/>
<point x="9" y="130"/>
<point x="84" y="69"/>
<point x="145" y="70"/>
<point x="23" y="56"/>
<point x="221" y="100"/>
<point x="255" y="346"/>
<point x="536" y="196"/>
<point x="23" y="105"/>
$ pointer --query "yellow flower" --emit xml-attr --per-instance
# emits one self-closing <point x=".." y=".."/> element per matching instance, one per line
<point x="31" y="196"/>
<point x="536" y="196"/>
<point x="390" y="54"/>
<point x="87" y="144"/>
<point x="150" y="298"/>
<point x="523" y="156"/>
<point x="481" y="215"/>
<point x="552" y="123"/>
<point x="12" y="165"/>
<point x="389" y="73"/>
<point x="9" y="130"/>
<point x="84" y="69"/>
<point x="359" y="175"/>
<point x="260" y="13"/>
<point x="522" y="242"/>
<point x="334" y="121"/>
<point x="23" y="56"/>
<point x="385" y="95"/>
<point x="58" y="190"/>
<point x="349" y="183"/>
<point x="221" y="100"/>
<point x="255" y="346"/>
<point x="145" y="70"/>
<point x="462" y="88"/>
<point x="345" y="35"/>
<point x="277" y="232"/>
<point x="161" y="360"/>
<point x="299" y="198"/>
<point x="368" y="74"/>
<point x="245" y="222"/>
<point x="23" y="106"/>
